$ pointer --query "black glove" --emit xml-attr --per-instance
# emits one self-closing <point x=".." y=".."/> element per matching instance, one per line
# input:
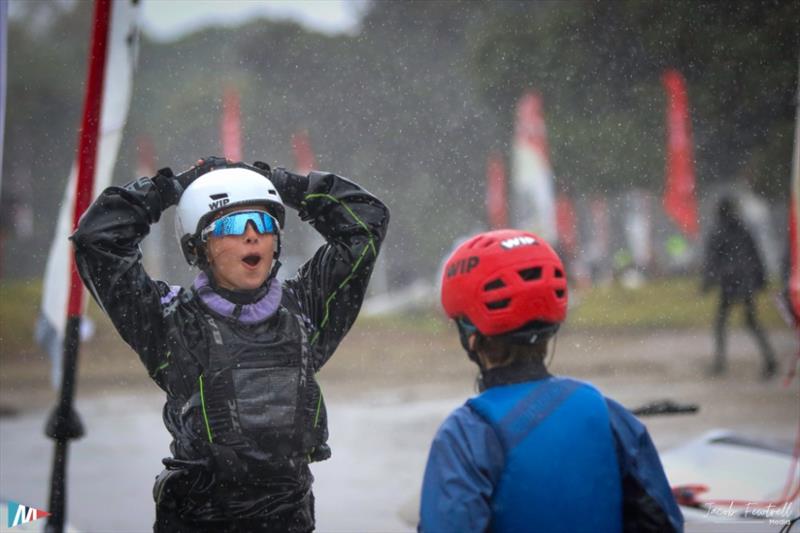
<point x="292" y="187"/>
<point x="171" y="187"/>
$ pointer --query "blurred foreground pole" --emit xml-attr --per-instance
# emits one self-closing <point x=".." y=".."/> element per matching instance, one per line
<point x="64" y="423"/>
<point x="793" y="288"/>
<point x="794" y="214"/>
<point x="3" y="57"/>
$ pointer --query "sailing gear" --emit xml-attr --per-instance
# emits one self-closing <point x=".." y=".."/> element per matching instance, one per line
<point x="506" y="282"/>
<point x="218" y="189"/>
<point x="544" y="453"/>
<point x="236" y="224"/>
<point x="243" y="406"/>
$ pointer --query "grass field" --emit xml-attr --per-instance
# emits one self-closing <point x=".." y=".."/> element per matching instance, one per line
<point x="673" y="303"/>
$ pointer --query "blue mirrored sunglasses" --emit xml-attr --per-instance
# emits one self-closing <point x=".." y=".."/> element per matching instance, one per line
<point x="236" y="224"/>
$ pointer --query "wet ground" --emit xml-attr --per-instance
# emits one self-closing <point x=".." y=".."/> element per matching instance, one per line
<point x="386" y="395"/>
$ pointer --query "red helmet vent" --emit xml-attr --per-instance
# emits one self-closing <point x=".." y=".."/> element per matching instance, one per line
<point x="560" y="293"/>
<point x="494" y="285"/>
<point x="498" y="304"/>
<point x="559" y="273"/>
<point x="531" y="274"/>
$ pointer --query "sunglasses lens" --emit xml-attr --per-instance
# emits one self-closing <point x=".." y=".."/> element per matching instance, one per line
<point x="236" y="224"/>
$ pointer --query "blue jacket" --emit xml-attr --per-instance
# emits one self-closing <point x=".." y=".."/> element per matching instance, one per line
<point x="546" y="454"/>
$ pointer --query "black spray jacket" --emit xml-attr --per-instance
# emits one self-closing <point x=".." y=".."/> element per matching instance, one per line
<point x="245" y="459"/>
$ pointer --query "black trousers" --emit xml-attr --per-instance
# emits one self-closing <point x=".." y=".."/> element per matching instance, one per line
<point x="177" y="511"/>
<point x="726" y="301"/>
<point x="299" y="519"/>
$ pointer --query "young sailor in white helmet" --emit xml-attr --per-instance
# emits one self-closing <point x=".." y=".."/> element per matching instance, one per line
<point x="237" y="352"/>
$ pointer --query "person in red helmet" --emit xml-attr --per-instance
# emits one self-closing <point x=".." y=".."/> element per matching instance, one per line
<point x="532" y="451"/>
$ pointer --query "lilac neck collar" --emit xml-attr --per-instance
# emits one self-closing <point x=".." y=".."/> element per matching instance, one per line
<point x="251" y="313"/>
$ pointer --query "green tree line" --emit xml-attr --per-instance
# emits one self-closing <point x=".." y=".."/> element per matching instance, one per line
<point x="411" y="104"/>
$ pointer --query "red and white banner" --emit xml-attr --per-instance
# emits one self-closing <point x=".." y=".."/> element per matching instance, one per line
<point x="231" y="125"/>
<point x="496" y="196"/>
<point x="105" y="112"/>
<point x="680" y="202"/>
<point x="303" y="155"/>
<point x="532" y="178"/>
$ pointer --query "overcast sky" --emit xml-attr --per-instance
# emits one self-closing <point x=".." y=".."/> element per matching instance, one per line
<point x="172" y="19"/>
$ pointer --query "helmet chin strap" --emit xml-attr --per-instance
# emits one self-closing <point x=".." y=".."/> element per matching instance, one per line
<point x="465" y="331"/>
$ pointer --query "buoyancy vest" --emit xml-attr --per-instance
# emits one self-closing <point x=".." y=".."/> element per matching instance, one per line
<point x="561" y="470"/>
<point x="258" y="394"/>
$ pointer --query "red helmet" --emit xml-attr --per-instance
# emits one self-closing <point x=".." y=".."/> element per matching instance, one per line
<point x="502" y="281"/>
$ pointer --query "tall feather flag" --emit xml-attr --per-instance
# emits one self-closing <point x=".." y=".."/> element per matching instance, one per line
<point x="680" y="202"/>
<point x="534" y="198"/>
<point x="231" y="126"/>
<point x="119" y="64"/>
<point x="496" y="196"/>
<point x="108" y="88"/>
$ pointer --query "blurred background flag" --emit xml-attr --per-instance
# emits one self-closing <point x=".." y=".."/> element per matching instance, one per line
<point x="496" y="198"/>
<point x="567" y="225"/>
<point x="534" y="199"/>
<point x="638" y="228"/>
<point x="680" y="202"/>
<point x="154" y="251"/>
<point x="231" y="124"/>
<point x="119" y="65"/>
<point x="304" y="161"/>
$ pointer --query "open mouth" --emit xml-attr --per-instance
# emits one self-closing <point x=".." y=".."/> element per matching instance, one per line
<point x="252" y="260"/>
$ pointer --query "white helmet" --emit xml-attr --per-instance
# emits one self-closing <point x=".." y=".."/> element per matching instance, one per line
<point x="218" y="189"/>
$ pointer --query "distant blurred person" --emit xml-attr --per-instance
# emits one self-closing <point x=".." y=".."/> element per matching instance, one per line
<point x="532" y="451"/>
<point x="733" y="262"/>
<point x="236" y="353"/>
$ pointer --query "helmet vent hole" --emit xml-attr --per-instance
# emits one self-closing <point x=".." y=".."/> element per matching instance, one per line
<point x="530" y="274"/>
<point x="559" y="273"/>
<point x="559" y="293"/>
<point x="494" y="285"/>
<point x="498" y="304"/>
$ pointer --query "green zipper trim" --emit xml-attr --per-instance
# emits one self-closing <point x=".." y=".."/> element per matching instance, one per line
<point x="371" y="244"/>
<point x="205" y="415"/>
<point x="162" y="366"/>
<point x="319" y="404"/>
